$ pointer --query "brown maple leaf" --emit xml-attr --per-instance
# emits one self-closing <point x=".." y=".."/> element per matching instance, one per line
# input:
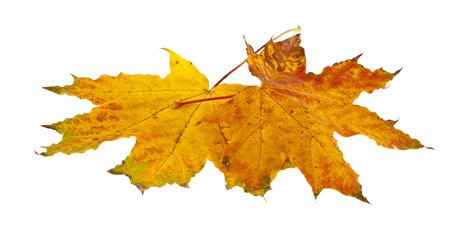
<point x="291" y="118"/>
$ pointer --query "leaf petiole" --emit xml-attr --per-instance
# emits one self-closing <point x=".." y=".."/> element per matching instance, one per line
<point x="179" y="104"/>
<point x="297" y="29"/>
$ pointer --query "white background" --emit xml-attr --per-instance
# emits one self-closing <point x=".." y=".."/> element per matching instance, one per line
<point x="414" y="194"/>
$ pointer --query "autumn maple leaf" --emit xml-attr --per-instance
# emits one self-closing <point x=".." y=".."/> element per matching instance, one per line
<point x="291" y="118"/>
<point x="250" y="133"/>
<point x="169" y="146"/>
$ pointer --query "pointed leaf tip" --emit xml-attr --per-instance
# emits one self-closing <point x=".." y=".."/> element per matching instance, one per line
<point x="51" y="88"/>
<point x="111" y="171"/>
<point x="398" y="71"/>
<point x="48" y="126"/>
<point x="316" y="195"/>
<point x="167" y="50"/>
<point x="359" y="195"/>
<point x="364" y="199"/>
<point x="355" y="59"/>
<point x="42" y="153"/>
<point x="140" y="187"/>
<point x="55" y="89"/>
<point x="392" y="122"/>
<point x="45" y="154"/>
<point x="172" y="56"/>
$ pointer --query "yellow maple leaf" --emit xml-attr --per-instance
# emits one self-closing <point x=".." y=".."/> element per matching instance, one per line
<point x="169" y="146"/>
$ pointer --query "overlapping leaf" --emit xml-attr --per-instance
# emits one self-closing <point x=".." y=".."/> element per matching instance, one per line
<point x="169" y="146"/>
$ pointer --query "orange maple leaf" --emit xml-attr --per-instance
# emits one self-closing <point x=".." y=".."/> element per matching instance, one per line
<point x="291" y="118"/>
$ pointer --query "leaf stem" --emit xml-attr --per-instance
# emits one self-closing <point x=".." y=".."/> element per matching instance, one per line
<point x="297" y="29"/>
<point x="179" y="104"/>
